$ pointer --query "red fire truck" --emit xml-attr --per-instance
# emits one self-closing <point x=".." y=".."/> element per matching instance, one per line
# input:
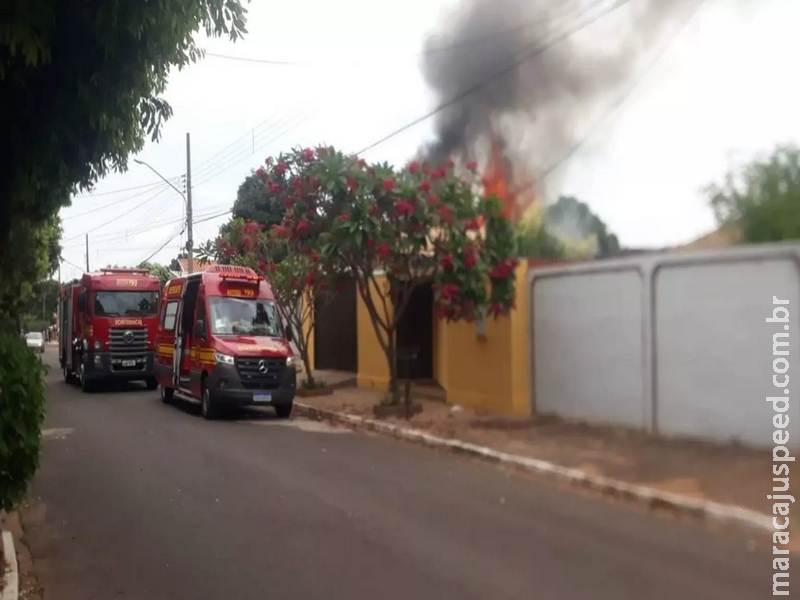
<point x="107" y="327"/>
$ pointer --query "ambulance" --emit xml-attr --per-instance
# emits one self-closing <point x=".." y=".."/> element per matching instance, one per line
<point x="221" y="342"/>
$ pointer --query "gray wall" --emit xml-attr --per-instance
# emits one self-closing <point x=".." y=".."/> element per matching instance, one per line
<point x="674" y="343"/>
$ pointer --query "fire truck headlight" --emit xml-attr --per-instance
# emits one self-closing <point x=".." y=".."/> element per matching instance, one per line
<point x="290" y="361"/>
<point x="223" y="358"/>
<point x="97" y="345"/>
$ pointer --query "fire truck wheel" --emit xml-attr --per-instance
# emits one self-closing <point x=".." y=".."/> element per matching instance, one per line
<point x="207" y="408"/>
<point x="151" y="384"/>
<point x="167" y="394"/>
<point x="86" y="385"/>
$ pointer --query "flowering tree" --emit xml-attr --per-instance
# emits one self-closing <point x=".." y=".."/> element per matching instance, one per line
<point x="414" y="226"/>
<point x="297" y="276"/>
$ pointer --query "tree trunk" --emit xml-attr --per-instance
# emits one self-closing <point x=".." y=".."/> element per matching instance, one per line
<point x="391" y="355"/>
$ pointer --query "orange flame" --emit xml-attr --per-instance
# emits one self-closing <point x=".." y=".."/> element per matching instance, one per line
<point x="497" y="181"/>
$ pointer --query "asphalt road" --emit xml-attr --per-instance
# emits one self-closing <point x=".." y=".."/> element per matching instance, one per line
<point x="138" y="500"/>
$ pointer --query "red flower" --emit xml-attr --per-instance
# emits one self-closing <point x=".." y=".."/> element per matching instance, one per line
<point x="288" y="203"/>
<point x="314" y="257"/>
<point x="384" y="251"/>
<point x="450" y="164"/>
<point x="388" y="185"/>
<point x="269" y="161"/>
<point x="472" y="225"/>
<point x="413" y="167"/>
<point x="447" y="262"/>
<point x="405" y="208"/>
<point x="274" y="188"/>
<point x="469" y="261"/>
<point x="362" y="163"/>
<point x="472" y="165"/>
<point x="343" y="218"/>
<point x="351" y="184"/>
<point x="425" y="186"/>
<point x="375" y="210"/>
<point x="310" y="278"/>
<point x="307" y="154"/>
<point x="446" y="214"/>
<point x="262" y="266"/>
<point x="370" y="243"/>
<point x="301" y="227"/>
<point x="433" y="200"/>
<point x="281" y="168"/>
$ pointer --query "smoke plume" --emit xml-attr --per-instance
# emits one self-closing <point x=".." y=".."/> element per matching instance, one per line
<point x="542" y="108"/>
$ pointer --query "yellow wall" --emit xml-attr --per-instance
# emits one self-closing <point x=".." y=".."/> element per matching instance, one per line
<point x="373" y="370"/>
<point x="490" y="373"/>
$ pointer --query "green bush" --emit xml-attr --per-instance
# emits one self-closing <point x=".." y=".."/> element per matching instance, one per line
<point x="22" y="397"/>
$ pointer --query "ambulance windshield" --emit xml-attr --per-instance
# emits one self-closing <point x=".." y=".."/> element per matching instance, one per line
<point x="236" y="316"/>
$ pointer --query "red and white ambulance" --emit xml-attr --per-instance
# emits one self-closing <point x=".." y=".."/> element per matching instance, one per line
<point x="220" y="341"/>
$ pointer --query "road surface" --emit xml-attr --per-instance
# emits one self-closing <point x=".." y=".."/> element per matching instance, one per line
<point x="138" y="500"/>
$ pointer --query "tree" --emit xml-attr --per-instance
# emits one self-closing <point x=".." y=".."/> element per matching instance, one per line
<point x="84" y="82"/>
<point x="573" y="221"/>
<point x="254" y="202"/>
<point x="160" y="271"/>
<point x="22" y="271"/>
<point x="762" y="199"/>
<point x="298" y="278"/>
<point x="417" y="225"/>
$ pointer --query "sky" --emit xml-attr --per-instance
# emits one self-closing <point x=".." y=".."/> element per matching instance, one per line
<point x="721" y="94"/>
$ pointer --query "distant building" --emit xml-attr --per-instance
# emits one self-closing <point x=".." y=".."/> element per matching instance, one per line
<point x="724" y="237"/>
<point x="199" y="265"/>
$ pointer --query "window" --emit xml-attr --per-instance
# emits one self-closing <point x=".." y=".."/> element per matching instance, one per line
<point x="168" y="318"/>
<point x="125" y="304"/>
<point x="234" y="316"/>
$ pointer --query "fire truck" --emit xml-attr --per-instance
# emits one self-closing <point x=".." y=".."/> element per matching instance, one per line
<point x="107" y="327"/>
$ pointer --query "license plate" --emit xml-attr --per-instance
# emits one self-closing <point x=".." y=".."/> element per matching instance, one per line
<point x="128" y="363"/>
<point x="266" y="398"/>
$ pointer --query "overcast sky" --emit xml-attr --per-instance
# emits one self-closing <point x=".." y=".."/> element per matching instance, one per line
<point x="724" y="91"/>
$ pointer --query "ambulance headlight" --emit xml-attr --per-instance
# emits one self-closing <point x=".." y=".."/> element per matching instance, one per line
<point x="97" y="345"/>
<point x="290" y="361"/>
<point x="223" y="358"/>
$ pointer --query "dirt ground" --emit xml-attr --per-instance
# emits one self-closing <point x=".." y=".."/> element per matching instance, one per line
<point x="730" y="474"/>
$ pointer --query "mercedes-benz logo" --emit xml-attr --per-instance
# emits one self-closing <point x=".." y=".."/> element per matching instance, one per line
<point x="127" y="337"/>
<point x="262" y="367"/>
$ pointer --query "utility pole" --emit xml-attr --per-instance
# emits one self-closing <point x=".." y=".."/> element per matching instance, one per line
<point x="87" y="252"/>
<point x="189" y="237"/>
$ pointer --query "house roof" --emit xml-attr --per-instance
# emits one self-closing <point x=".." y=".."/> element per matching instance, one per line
<point x="724" y="237"/>
<point x="199" y="265"/>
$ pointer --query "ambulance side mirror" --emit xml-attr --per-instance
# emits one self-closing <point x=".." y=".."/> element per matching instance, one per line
<point x="200" y="330"/>
<point x="289" y="334"/>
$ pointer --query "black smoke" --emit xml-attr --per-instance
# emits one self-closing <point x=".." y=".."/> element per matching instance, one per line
<point x="541" y="108"/>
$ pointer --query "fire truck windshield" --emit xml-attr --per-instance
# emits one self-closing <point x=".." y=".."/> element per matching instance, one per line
<point x="125" y="304"/>
<point x="232" y="316"/>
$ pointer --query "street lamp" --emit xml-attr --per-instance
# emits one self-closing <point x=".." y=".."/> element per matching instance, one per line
<point x="188" y="200"/>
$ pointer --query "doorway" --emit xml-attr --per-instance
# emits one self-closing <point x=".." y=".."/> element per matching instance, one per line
<point x="415" y="331"/>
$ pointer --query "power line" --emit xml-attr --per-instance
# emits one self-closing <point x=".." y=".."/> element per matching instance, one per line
<point x="484" y="82"/>
<point x="161" y="247"/>
<point x="627" y="93"/>
<point x="115" y="203"/>
<point x="481" y="39"/>
<point x="121" y="190"/>
<point x="292" y="125"/>
<point x="121" y="215"/>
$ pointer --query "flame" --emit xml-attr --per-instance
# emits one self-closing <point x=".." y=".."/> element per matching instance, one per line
<point x="498" y="181"/>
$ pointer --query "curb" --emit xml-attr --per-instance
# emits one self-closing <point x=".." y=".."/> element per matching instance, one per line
<point x="10" y="589"/>
<point x="652" y="498"/>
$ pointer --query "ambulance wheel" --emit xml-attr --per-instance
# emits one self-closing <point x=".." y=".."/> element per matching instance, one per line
<point x="207" y="407"/>
<point x="167" y="394"/>
<point x="284" y="411"/>
<point x="151" y="383"/>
